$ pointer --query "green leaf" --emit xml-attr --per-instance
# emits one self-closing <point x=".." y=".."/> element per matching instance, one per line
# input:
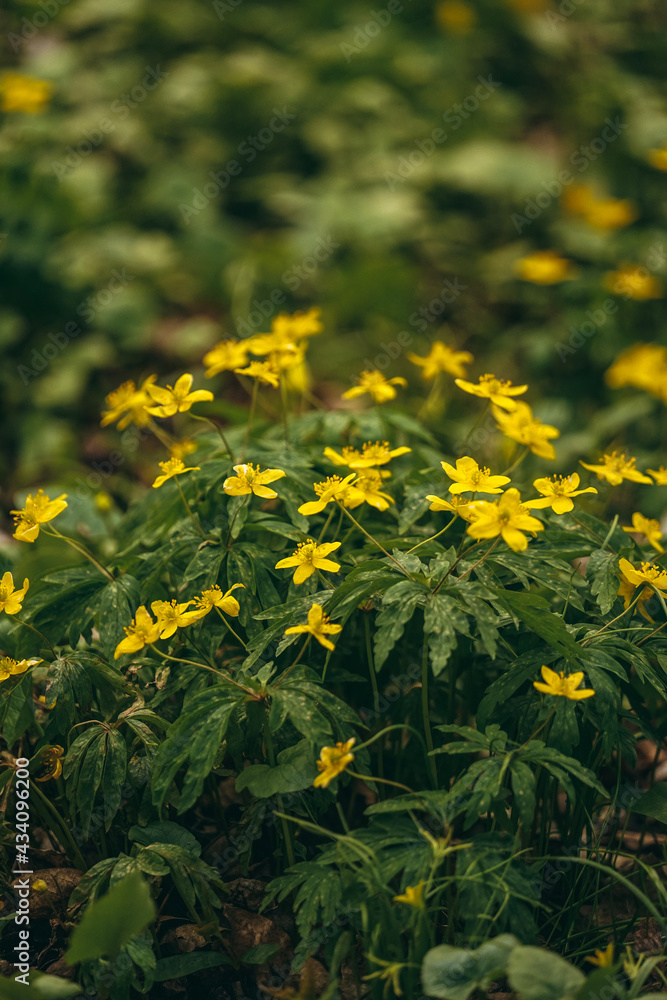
<point x="523" y="789"/>
<point x="109" y="923"/>
<point x="177" y="966"/>
<point x="165" y="832"/>
<point x="441" y="618"/>
<point x="452" y="973"/>
<point x="653" y="803"/>
<point x="536" y="613"/>
<point x="537" y="974"/>
<point x="602" y="571"/>
<point x="260" y="954"/>
<point x="398" y="606"/>
<point x="295" y="770"/>
<point x="41" y="987"/>
<point x="114" y="608"/>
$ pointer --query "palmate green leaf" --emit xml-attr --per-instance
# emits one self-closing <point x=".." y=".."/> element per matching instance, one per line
<point x="523" y="792"/>
<point x="526" y="667"/>
<point x="64" y="607"/>
<point x="113" y="609"/>
<point x="290" y="702"/>
<point x="537" y="615"/>
<point x="442" y="619"/>
<point x="203" y="569"/>
<point x="115" y="768"/>
<point x="69" y="685"/>
<point x="399" y="604"/>
<point x="602" y="570"/>
<point x="110" y="923"/>
<point x="295" y="770"/>
<point x="16" y="710"/>
<point x="653" y="803"/>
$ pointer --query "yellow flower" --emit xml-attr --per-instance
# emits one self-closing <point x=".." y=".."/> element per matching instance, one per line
<point x="562" y="686"/>
<point x="658" y="157"/>
<point x="12" y="668"/>
<point x="370" y="456"/>
<point x="660" y="475"/>
<point x="179" y="449"/>
<point x="522" y="426"/>
<point x="226" y="356"/>
<point x="366" y="489"/>
<point x="455" y="504"/>
<point x="643" y="366"/>
<point x="499" y="391"/>
<point x="177" y="398"/>
<point x="299" y="324"/>
<point x="468" y="477"/>
<point x="507" y="517"/>
<point x="578" y="198"/>
<point x="140" y="633"/>
<point x="318" y="626"/>
<point x="413" y="895"/>
<point x="39" y="885"/>
<point x="331" y="489"/>
<point x="455" y="16"/>
<point x="173" y="467"/>
<point x="647" y="527"/>
<point x="11" y="599"/>
<point x="24" y="93"/>
<point x="51" y="763"/>
<point x="602" y="958"/>
<point x="38" y="510"/>
<point x="633" y="283"/>
<point x="127" y="405"/>
<point x="171" y="615"/>
<point x="607" y="214"/>
<point x="557" y="493"/>
<point x="214" y="598"/>
<point x="249" y="479"/>
<point x="333" y="761"/>
<point x="632" y="578"/>
<point x="308" y="557"/>
<point x="442" y="358"/>
<point x="615" y="468"/>
<point x="544" y="267"/>
<point x="263" y="371"/>
<point x="376" y="385"/>
<point x="103" y="501"/>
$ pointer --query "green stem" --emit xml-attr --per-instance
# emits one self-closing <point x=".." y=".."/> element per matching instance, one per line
<point x="203" y="666"/>
<point x="476" y="424"/>
<point x="60" y="827"/>
<point x="37" y="632"/>
<point x="219" y="431"/>
<point x="292" y="665"/>
<point x="383" y="781"/>
<point x="371" y="539"/>
<point x="236" y="636"/>
<point x="82" y="549"/>
<point x="425" y="715"/>
<point x="432" y="538"/>
<point x="287" y="834"/>
<point x="187" y="507"/>
<point x="517" y="461"/>
<point x="479" y="561"/>
<point x="374" y="686"/>
<point x="326" y="525"/>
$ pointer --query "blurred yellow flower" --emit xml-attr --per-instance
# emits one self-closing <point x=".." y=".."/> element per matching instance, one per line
<point x="308" y="557"/>
<point x="544" y="267"/>
<point x="38" y="510"/>
<point x="649" y="528"/>
<point x="559" y="685"/>
<point x="615" y="468"/>
<point x="442" y="358"/>
<point x="10" y="598"/>
<point x="172" y="467"/>
<point x="298" y="324"/>
<point x="12" y="668"/>
<point x="602" y="958"/>
<point x="333" y="761"/>
<point x="660" y="475"/>
<point x="643" y="366"/>
<point x="520" y="425"/>
<point x="469" y="477"/>
<point x="604" y="214"/>
<point x="455" y="16"/>
<point x="170" y="615"/>
<point x="141" y="632"/>
<point x="506" y="517"/>
<point x="263" y="371"/>
<point x="658" y="157"/>
<point x="177" y="398"/>
<point x="370" y="456"/>
<point x="213" y="597"/>
<point x="250" y="479"/>
<point x="498" y="390"/>
<point x="634" y="283"/>
<point x="413" y="895"/>
<point x="318" y="626"/>
<point x="557" y="493"/>
<point x="179" y="449"/>
<point x="52" y="766"/>
<point x="24" y="93"/>
<point x="376" y="385"/>
<point x="331" y="489"/>
<point x="226" y="356"/>
<point x="127" y="405"/>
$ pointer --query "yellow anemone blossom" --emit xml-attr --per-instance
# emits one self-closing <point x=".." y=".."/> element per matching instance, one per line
<point x="308" y="557"/>
<point x="615" y="468"/>
<point x="413" y="895"/>
<point x="331" y="489"/>
<point x="442" y="358"/>
<point x="250" y="479"/>
<point x="10" y="598"/>
<point x="51" y="763"/>
<point x="455" y="504"/>
<point x="643" y="366"/>
<point x="127" y="405"/>
<point x="141" y="632"/>
<point x="520" y="425"/>
<point x="559" y="685"/>
<point x="370" y="456"/>
<point x="332" y="762"/>
<point x="366" y="489"/>
<point x="380" y="389"/>
<point x="603" y="214"/>
<point x="226" y="356"/>
<point x="213" y="597"/>
<point x="179" y="449"/>
<point x="455" y="16"/>
<point x="263" y="371"/>
<point x="12" y="668"/>
<point x="24" y="93"/>
<point x="603" y="959"/>
<point x="173" y="467"/>
<point x="646" y="574"/>
<point x="177" y="398"/>
<point x="469" y="477"/>
<point x="170" y="615"/>
<point x="557" y="493"/>
<point x="649" y="528"/>
<point x="498" y="390"/>
<point x="660" y="475"/>
<point x="318" y="626"/>
<point x="544" y="267"/>
<point x="633" y="283"/>
<point x="298" y="324"/>
<point x="38" y="510"/>
<point x="506" y="517"/>
<point x="658" y="157"/>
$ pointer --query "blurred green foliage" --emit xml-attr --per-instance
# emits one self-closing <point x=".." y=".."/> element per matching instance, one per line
<point x="112" y="220"/>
